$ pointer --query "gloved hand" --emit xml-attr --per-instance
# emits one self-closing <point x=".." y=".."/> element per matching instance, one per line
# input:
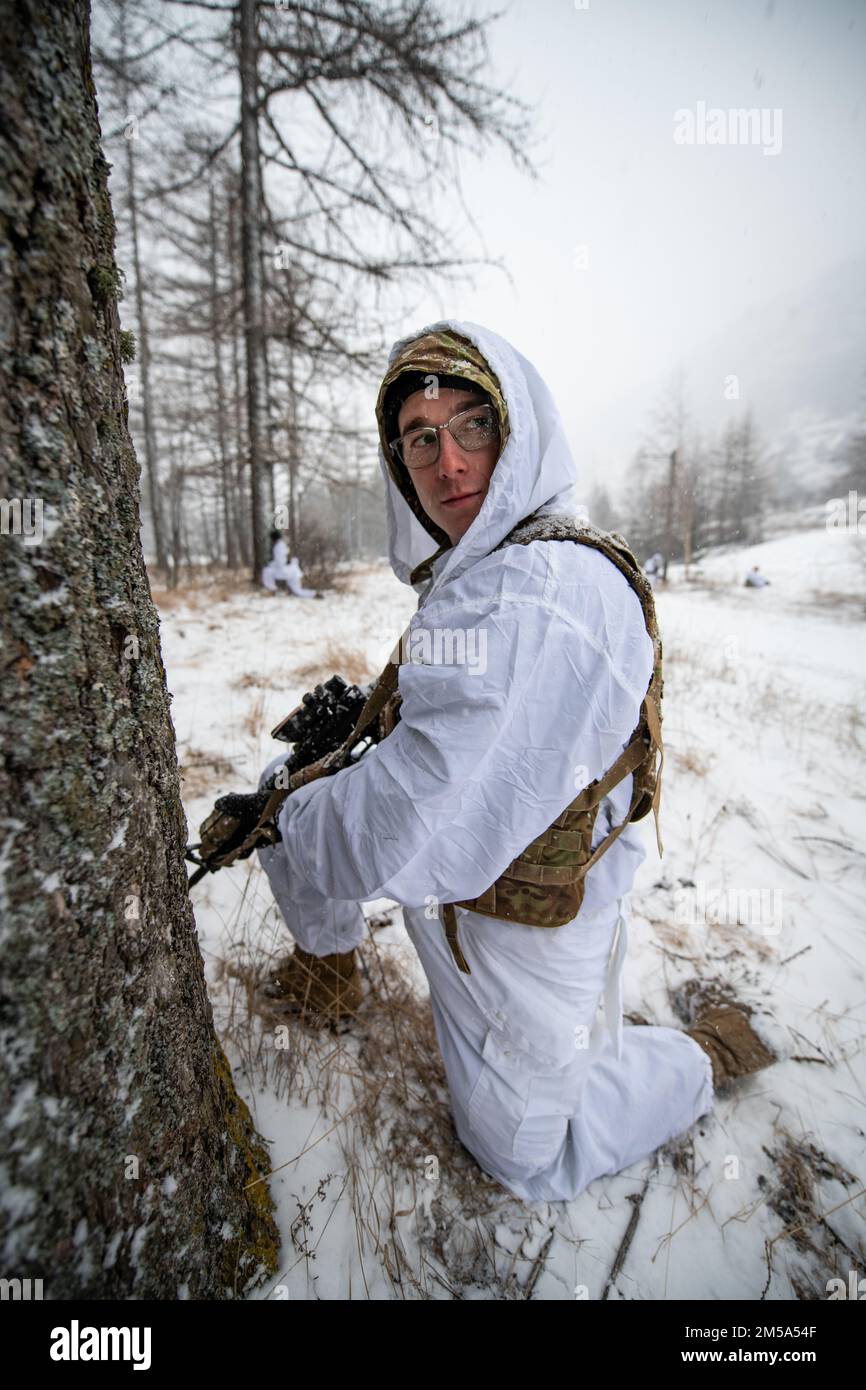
<point x="245" y="807"/>
<point x="233" y="818"/>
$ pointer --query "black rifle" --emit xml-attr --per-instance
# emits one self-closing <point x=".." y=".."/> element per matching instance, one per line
<point x="324" y="720"/>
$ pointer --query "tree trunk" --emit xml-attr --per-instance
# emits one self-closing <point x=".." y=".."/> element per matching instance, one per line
<point x="219" y="384"/>
<point x="143" y="355"/>
<point x="293" y="450"/>
<point x="271" y="427"/>
<point x="243" y="514"/>
<point x="670" y="501"/>
<point x="724" y="532"/>
<point x="253" y="276"/>
<point x="125" y="1145"/>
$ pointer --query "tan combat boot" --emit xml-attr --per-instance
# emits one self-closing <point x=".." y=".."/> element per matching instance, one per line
<point x="732" y="1045"/>
<point x="318" y="988"/>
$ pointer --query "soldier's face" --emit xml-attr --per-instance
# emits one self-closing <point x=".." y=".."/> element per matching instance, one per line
<point x="452" y="489"/>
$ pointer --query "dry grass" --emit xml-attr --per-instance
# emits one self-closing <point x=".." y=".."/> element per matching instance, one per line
<point x="420" y="1204"/>
<point x="207" y="586"/>
<point x="841" y="605"/>
<point x="349" y="662"/>
<point x="791" y="1190"/>
<point x="254" y="717"/>
<point x="750" y="698"/>
<point x="251" y="681"/>
<point x="169" y="600"/>
<point x="334" y="582"/>
<point x="199" y="771"/>
<point x="795" y="1198"/>
<point x="419" y="1200"/>
<point x="691" y="760"/>
<point x="698" y="582"/>
<point x="200" y="586"/>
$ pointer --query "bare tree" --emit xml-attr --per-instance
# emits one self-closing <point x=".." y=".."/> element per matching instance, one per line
<point x="601" y="509"/>
<point x="644" y="503"/>
<point x="850" y="460"/>
<point x="334" y="202"/>
<point x="130" y="69"/>
<point x="748" y="483"/>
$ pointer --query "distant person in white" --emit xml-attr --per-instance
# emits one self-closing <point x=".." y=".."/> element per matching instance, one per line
<point x="754" y="579"/>
<point x="281" y="567"/>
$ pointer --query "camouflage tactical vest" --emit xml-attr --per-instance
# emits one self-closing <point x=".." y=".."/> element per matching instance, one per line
<point x="544" y="885"/>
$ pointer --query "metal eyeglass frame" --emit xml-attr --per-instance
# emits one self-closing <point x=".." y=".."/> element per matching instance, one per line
<point x="397" y="444"/>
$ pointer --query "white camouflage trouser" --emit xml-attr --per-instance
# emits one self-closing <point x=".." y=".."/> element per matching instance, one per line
<point x="542" y="1095"/>
<point x="546" y="1129"/>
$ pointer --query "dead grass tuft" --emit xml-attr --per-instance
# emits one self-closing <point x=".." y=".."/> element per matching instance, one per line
<point x="348" y="662"/>
<point x="169" y="600"/>
<point x="795" y="1197"/>
<point x="199" y="771"/>
<point x="419" y="1199"/>
<point x="251" y="681"/>
<point x="255" y="716"/>
<point x="842" y="605"/>
<point x="690" y="760"/>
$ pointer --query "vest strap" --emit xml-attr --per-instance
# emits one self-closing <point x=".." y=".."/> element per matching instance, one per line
<point x="563" y="839"/>
<point x="526" y="872"/>
<point x="655" y="728"/>
<point x="628" y="760"/>
<point x="612" y="835"/>
<point x="449" y="917"/>
<point x="559" y="874"/>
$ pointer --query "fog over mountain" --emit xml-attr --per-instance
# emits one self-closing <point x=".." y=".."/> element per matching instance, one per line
<point x="799" y="363"/>
<point x="791" y="355"/>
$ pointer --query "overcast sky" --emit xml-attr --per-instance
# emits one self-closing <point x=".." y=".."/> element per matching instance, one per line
<point x="680" y="239"/>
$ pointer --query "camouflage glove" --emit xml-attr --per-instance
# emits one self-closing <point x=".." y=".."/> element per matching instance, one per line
<point x="233" y="818"/>
<point x="246" y="809"/>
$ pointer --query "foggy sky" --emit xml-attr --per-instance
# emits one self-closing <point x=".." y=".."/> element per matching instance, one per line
<point x="681" y="240"/>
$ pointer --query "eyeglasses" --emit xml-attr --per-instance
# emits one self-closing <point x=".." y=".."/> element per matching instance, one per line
<point x="471" y="429"/>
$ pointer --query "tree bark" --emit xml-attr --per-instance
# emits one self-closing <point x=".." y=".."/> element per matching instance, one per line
<point x="127" y="1153"/>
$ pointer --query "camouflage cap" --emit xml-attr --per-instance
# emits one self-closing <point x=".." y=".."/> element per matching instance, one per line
<point x="441" y="354"/>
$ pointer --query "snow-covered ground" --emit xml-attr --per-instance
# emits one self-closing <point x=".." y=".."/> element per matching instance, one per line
<point x="760" y="890"/>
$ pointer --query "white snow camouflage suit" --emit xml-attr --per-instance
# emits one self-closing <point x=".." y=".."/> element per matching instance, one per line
<point x="479" y="764"/>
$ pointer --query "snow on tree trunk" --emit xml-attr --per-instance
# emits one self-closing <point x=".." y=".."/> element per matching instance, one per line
<point x="128" y="1163"/>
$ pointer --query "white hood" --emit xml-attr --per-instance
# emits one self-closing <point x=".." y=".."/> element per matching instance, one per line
<point x="535" y="471"/>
